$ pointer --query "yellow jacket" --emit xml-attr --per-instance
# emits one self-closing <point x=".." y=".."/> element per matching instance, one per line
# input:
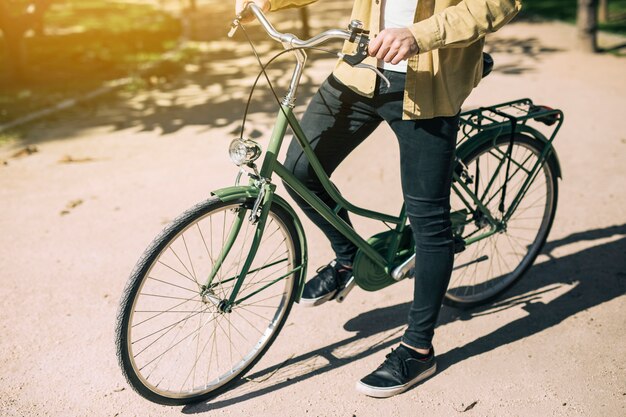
<point x="449" y="34"/>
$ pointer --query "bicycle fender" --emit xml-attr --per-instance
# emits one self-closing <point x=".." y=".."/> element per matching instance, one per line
<point x="489" y="135"/>
<point x="248" y="191"/>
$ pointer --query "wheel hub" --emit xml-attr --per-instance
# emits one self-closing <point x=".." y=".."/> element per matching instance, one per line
<point x="209" y="297"/>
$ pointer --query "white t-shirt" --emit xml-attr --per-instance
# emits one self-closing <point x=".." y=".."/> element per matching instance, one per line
<point x="397" y="14"/>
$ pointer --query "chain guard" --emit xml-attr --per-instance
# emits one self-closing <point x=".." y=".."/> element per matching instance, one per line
<point x="370" y="276"/>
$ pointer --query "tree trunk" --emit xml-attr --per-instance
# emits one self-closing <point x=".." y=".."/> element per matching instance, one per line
<point x="587" y="25"/>
<point x="15" y="55"/>
<point x="304" y="18"/>
<point x="13" y="31"/>
<point x="603" y="11"/>
<point x="14" y="28"/>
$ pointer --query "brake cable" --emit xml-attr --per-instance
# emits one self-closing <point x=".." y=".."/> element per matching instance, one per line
<point x="264" y="73"/>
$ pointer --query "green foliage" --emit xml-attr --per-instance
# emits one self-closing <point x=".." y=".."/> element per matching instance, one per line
<point x="112" y="17"/>
<point x="85" y="43"/>
<point x="566" y="10"/>
<point x="8" y="137"/>
<point x="550" y="9"/>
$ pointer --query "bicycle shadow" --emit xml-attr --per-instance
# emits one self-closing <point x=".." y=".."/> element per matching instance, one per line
<point x="596" y="275"/>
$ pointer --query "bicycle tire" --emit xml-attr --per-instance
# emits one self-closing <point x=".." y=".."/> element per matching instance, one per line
<point x="481" y="285"/>
<point x="132" y="341"/>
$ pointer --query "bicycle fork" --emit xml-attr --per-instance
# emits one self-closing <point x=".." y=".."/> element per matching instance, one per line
<point x="258" y="215"/>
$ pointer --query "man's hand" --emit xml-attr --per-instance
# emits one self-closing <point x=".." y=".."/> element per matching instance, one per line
<point x="394" y="45"/>
<point x="240" y="6"/>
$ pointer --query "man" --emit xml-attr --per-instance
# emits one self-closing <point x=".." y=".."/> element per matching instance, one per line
<point x="431" y="51"/>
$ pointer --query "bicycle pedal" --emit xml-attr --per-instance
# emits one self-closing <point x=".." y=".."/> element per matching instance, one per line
<point x="459" y="245"/>
<point x="343" y="293"/>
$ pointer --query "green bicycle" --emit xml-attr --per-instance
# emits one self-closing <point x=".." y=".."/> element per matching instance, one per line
<point x="213" y="290"/>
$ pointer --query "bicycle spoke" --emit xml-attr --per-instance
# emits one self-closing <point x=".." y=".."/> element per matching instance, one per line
<point x="178" y="272"/>
<point x="505" y="257"/>
<point x="182" y="263"/>
<point x="256" y="314"/>
<point x="248" y="321"/>
<point x="176" y="344"/>
<point x="165" y="296"/>
<point x="189" y="258"/>
<point x="162" y="312"/>
<point x="169" y="328"/>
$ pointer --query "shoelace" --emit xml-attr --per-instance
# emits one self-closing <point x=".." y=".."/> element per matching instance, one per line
<point x="395" y="363"/>
<point x="336" y="269"/>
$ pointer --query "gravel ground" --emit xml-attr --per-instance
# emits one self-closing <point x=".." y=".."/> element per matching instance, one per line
<point x="106" y="178"/>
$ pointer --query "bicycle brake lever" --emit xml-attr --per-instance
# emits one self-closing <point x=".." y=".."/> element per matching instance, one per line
<point x="376" y="70"/>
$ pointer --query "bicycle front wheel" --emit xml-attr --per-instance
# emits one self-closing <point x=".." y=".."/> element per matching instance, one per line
<point x="491" y="265"/>
<point x="175" y="343"/>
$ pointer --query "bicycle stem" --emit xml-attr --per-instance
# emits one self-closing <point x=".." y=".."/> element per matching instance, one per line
<point x="289" y="41"/>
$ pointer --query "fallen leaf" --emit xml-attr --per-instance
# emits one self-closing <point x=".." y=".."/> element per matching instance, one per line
<point x="29" y="150"/>
<point x="68" y="159"/>
<point x="74" y="203"/>
<point x="469" y="407"/>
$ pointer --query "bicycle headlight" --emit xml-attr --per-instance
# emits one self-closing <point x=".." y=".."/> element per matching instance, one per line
<point x="244" y="151"/>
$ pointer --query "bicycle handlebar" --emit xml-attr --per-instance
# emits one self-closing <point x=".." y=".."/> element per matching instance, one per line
<point x="288" y="39"/>
<point x="355" y="33"/>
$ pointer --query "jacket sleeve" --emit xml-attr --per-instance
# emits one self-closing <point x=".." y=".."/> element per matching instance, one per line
<point x="287" y="4"/>
<point x="464" y="23"/>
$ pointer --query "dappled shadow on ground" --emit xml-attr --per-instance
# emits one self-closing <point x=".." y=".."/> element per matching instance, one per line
<point x="595" y="276"/>
<point x="522" y="54"/>
<point x="619" y="49"/>
<point x="210" y="88"/>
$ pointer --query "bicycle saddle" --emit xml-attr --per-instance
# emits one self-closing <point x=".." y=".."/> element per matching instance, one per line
<point x="487" y="64"/>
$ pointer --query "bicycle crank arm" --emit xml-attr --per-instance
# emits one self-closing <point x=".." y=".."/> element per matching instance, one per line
<point x="402" y="271"/>
<point x="475" y="261"/>
<point x="346" y="290"/>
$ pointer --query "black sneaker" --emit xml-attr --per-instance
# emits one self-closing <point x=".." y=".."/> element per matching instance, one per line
<point x="400" y="371"/>
<point x="324" y="286"/>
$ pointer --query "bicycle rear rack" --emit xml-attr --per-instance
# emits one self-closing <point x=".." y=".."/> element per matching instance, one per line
<point x="513" y="114"/>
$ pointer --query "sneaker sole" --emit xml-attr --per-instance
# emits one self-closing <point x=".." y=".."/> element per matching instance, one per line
<point x="314" y="302"/>
<point x="377" y="392"/>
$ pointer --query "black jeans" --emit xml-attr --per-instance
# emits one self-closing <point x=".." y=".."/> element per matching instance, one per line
<point x="336" y="121"/>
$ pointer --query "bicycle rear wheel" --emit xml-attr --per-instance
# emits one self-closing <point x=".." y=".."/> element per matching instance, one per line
<point x="491" y="265"/>
<point x="175" y="343"/>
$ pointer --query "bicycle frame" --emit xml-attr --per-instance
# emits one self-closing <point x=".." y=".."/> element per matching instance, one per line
<point x="476" y="127"/>
<point x="270" y="165"/>
<point x="246" y="212"/>
<point x="263" y="189"/>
